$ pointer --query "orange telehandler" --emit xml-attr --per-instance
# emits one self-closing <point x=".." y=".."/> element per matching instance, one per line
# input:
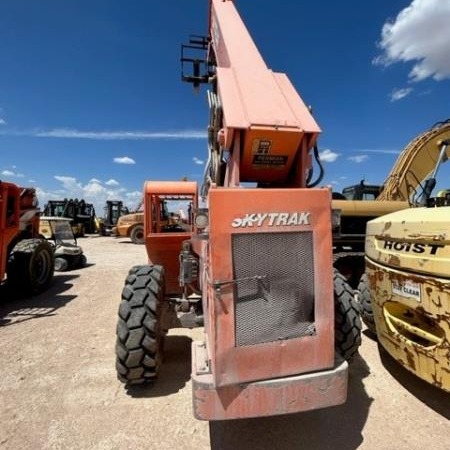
<point x="26" y="258"/>
<point x="254" y="267"/>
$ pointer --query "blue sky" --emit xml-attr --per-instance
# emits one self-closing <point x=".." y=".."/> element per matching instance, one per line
<point x="92" y="103"/>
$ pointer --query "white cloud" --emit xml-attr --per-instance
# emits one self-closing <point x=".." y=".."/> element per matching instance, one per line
<point x="112" y="182"/>
<point x="358" y="158"/>
<point x="69" y="133"/>
<point x="124" y="160"/>
<point x="94" y="191"/>
<point x="197" y="160"/>
<point x="10" y="173"/>
<point x="2" y="121"/>
<point x="134" y="196"/>
<point x="419" y="34"/>
<point x="398" y="94"/>
<point x="381" y="150"/>
<point x="328" y="155"/>
<point x="134" y="200"/>
<point x="69" y="183"/>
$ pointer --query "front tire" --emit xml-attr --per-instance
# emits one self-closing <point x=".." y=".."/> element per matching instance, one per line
<point x="140" y="336"/>
<point x="346" y="317"/>
<point x="137" y="235"/>
<point x="31" y="266"/>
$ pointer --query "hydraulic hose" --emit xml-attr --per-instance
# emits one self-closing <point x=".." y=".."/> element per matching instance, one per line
<point x="321" y="169"/>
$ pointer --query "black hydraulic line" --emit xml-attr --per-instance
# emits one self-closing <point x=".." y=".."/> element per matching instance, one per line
<point x="322" y="171"/>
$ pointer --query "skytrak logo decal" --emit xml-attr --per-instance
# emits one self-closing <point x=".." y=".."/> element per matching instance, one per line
<point x="274" y="219"/>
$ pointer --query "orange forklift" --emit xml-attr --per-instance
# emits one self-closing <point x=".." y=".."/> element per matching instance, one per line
<point x="252" y="265"/>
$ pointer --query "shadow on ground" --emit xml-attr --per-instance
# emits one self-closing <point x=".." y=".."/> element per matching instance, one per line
<point x="175" y="371"/>
<point x="336" y="428"/>
<point x="433" y="397"/>
<point x="14" y="309"/>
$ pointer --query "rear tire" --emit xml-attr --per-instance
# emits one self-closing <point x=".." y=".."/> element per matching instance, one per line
<point x="137" y="234"/>
<point x="346" y="317"/>
<point x="31" y="266"/>
<point x="363" y="297"/>
<point x="83" y="261"/>
<point x="140" y="336"/>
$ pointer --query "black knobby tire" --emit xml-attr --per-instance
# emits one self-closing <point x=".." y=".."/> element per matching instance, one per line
<point x="140" y="336"/>
<point x="346" y="318"/>
<point x="363" y="296"/>
<point x="137" y="235"/>
<point x="31" y="266"/>
<point x="82" y="261"/>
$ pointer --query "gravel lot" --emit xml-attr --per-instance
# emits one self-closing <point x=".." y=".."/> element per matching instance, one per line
<point x="58" y="387"/>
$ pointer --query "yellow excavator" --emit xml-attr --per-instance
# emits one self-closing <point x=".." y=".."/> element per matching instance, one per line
<point x="400" y="191"/>
<point x="405" y="293"/>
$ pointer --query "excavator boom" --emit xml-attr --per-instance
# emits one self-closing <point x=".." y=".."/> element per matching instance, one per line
<point x="415" y="164"/>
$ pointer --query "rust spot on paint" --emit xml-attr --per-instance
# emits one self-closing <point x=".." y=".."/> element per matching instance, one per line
<point x="410" y="359"/>
<point x="394" y="261"/>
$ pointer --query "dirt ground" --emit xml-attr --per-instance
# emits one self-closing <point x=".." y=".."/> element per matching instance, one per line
<point x="58" y="386"/>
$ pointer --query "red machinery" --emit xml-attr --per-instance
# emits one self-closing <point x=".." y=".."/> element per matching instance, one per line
<point x="26" y="258"/>
<point x="255" y="266"/>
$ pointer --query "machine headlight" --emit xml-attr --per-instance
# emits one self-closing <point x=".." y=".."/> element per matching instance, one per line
<point x="201" y="219"/>
<point x="336" y="222"/>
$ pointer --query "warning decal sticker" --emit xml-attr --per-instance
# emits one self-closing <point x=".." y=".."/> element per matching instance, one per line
<point x="269" y="160"/>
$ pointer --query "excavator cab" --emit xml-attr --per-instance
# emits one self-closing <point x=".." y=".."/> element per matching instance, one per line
<point x="361" y="191"/>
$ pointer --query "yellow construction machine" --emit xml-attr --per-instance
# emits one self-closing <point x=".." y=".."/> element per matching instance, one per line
<point x="399" y="191"/>
<point x="406" y="289"/>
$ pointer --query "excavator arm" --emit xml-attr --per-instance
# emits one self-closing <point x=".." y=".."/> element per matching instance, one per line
<point x="415" y="164"/>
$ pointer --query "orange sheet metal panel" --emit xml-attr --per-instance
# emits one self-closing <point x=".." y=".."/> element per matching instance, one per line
<point x="170" y="188"/>
<point x="268" y="154"/>
<point x="250" y="92"/>
<point x="266" y="398"/>
<point x="164" y="248"/>
<point x="269" y="213"/>
<point x="8" y="229"/>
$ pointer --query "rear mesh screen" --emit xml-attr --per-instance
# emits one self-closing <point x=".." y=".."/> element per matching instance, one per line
<point x="274" y="291"/>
